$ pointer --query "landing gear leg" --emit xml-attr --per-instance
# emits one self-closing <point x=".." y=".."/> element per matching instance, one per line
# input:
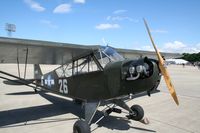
<point x="136" y="112"/>
<point x="83" y="126"/>
<point x="35" y="89"/>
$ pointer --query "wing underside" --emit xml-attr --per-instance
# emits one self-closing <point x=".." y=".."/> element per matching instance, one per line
<point x="14" y="50"/>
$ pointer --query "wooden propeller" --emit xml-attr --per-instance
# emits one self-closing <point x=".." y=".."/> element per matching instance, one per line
<point x="163" y="69"/>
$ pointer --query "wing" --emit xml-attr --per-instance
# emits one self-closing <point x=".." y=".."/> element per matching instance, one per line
<point x="135" y="54"/>
<point x="40" y="52"/>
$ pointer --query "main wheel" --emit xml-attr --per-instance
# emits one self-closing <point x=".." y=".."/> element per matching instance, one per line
<point x="138" y="112"/>
<point x="81" y="126"/>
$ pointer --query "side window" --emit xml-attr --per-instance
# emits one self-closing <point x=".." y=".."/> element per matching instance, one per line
<point x="64" y="70"/>
<point x="93" y="66"/>
<point x="102" y="58"/>
<point x="85" y="65"/>
<point x="81" y="66"/>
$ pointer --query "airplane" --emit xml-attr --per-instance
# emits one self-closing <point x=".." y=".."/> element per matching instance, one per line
<point x="91" y="75"/>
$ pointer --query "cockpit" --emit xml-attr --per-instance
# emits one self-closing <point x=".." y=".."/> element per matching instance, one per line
<point x="107" y="54"/>
<point x="94" y="61"/>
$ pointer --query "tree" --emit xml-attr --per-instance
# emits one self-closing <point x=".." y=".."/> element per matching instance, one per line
<point x="191" y="57"/>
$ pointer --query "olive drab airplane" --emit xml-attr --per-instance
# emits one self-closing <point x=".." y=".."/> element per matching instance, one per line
<point x="92" y="75"/>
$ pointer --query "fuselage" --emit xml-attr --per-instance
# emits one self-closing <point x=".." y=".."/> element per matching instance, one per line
<point x="116" y="79"/>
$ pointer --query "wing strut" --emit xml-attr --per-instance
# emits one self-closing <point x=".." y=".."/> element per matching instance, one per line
<point x="26" y="61"/>
<point x="18" y="62"/>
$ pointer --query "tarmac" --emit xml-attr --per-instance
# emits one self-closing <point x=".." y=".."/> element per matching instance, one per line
<point x="24" y="111"/>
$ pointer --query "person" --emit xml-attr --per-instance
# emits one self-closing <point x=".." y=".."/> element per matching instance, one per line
<point x="183" y="65"/>
<point x="198" y="65"/>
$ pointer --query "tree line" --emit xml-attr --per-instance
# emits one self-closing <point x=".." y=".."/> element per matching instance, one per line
<point x="195" y="57"/>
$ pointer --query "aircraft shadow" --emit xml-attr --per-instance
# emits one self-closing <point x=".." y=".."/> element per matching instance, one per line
<point x="59" y="106"/>
<point x="118" y="123"/>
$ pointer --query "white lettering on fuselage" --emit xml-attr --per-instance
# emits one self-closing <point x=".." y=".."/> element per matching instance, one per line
<point x="63" y="86"/>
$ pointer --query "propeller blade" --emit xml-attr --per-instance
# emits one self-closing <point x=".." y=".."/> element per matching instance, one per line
<point x="163" y="69"/>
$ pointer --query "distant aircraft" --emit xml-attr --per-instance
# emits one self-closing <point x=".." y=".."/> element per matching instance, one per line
<point x="91" y="75"/>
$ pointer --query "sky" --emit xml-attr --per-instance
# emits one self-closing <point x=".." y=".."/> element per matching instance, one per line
<point x="175" y="24"/>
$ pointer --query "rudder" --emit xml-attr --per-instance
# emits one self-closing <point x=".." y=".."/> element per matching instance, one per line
<point x="37" y="72"/>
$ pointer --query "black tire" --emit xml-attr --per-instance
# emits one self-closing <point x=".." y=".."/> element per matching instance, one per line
<point x="138" y="112"/>
<point x="81" y="126"/>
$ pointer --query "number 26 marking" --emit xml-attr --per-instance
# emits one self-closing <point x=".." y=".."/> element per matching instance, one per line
<point x="63" y="86"/>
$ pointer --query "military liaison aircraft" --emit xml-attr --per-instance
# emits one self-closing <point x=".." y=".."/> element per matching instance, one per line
<point x="92" y="75"/>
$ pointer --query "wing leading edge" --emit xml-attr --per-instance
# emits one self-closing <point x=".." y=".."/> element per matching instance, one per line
<point x="40" y="52"/>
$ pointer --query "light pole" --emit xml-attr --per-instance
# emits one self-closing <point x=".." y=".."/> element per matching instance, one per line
<point x="10" y="28"/>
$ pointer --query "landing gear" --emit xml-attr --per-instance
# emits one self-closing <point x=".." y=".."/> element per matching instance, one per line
<point x="137" y="113"/>
<point x="81" y="126"/>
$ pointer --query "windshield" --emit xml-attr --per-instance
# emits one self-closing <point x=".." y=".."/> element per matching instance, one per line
<point x="108" y="54"/>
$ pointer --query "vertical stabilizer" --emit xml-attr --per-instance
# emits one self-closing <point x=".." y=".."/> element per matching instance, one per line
<point x="37" y="71"/>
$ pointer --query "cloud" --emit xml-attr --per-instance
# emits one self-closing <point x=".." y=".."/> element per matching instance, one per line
<point x="174" y="47"/>
<point x="198" y="46"/>
<point x="147" y="48"/>
<point x="49" y="24"/>
<point x="159" y="31"/>
<point x="180" y="47"/>
<point x="79" y="1"/>
<point x="118" y="16"/>
<point x="107" y="26"/>
<point x="34" y="5"/>
<point x="119" y="11"/>
<point x="121" y="18"/>
<point x="62" y="8"/>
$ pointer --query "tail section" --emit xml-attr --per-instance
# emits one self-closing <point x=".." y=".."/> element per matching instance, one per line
<point x="37" y="72"/>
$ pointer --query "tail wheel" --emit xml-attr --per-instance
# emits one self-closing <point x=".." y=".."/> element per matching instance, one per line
<point x="138" y="113"/>
<point x="81" y="126"/>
